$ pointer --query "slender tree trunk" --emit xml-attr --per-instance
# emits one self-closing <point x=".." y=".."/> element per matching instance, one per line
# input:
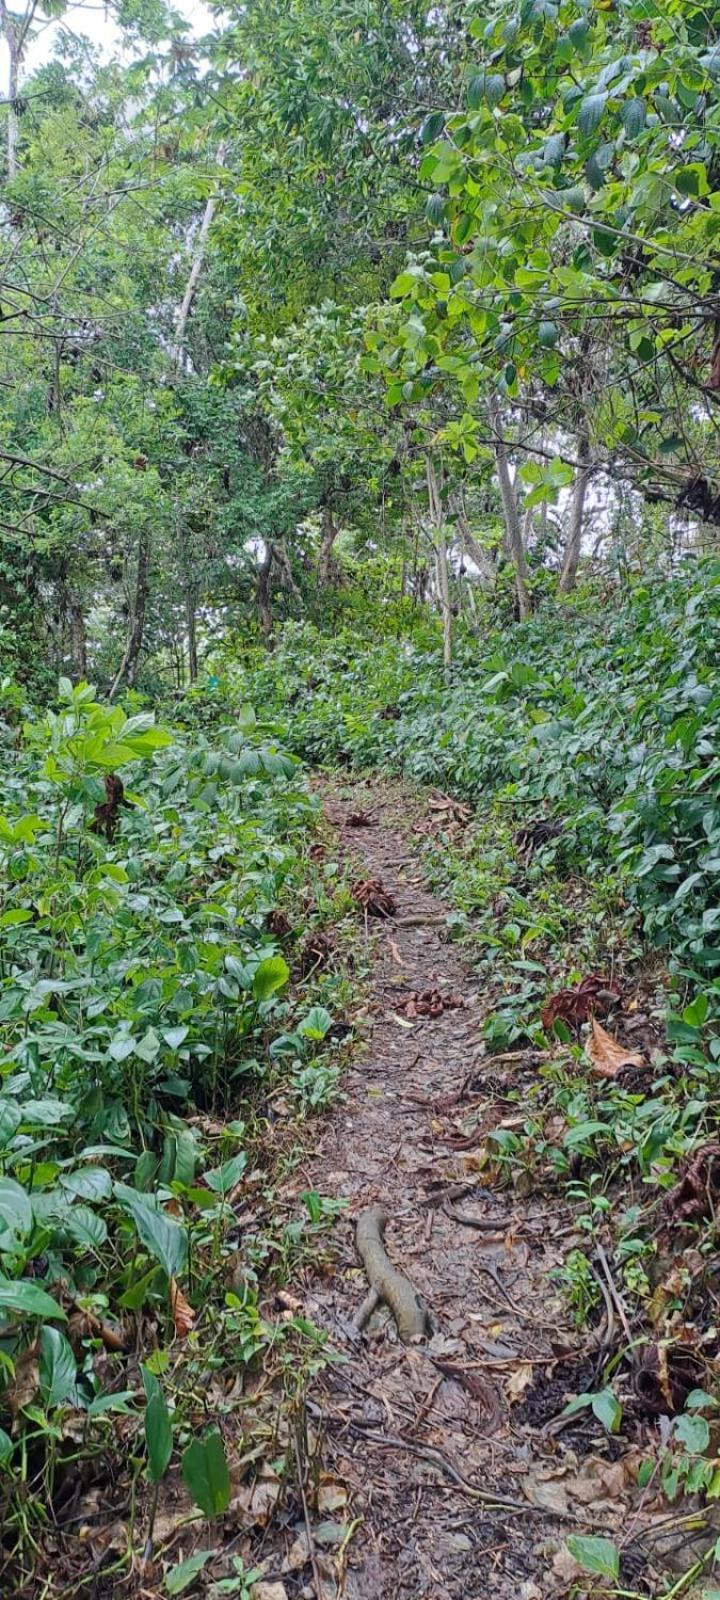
<point x="191" y="619"/>
<point x="329" y="535"/>
<point x="78" y="640"/>
<point x="510" y="511"/>
<point x="10" y="37"/>
<point x="262" y="591"/>
<point x="127" y="670"/>
<point x="15" y="30"/>
<point x="196" y="268"/>
<point x="573" y="546"/>
<point x="441" y="561"/>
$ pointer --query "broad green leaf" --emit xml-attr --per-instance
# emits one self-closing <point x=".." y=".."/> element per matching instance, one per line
<point x="6" y="1448"/>
<point x="88" y="1183"/>
<point x="591" y="113"/>
<point x="633" y="115"/>
<point x="180" y="1577"/>
<point x="693" y="1433"/>
<point x="158" y="1427"/>
<point x="10" y="1119"/>
<point x="224" y="1178"/>
<point x="271" y="974"/>
<point x="163" y="1237"/>
<point x="607" y="1410"/>
<point x="16" y="1213"/>
<point x="594" y="1554"/>
<point x="315" y="1025"/>
<point x="58" y="1373"/>
<point x="29" y="1299"/>
<point x="205" y="1471"/>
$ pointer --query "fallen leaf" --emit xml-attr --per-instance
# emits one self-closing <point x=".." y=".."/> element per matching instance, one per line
<point x="182" y="1311"/>
<point x="298" y="1555"/>
<point x="608" y="1056"/>
<point x="255" y="1503"/>
<point x="576" y="1005"/>
<point x="269" y="1591"/>
<point x="543" y="1490"/>
<point x="331" y="1497"/>
<point x="519" y="1381"/>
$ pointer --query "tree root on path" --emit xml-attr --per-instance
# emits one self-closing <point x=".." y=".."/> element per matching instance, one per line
<point x="408" y="1309"/>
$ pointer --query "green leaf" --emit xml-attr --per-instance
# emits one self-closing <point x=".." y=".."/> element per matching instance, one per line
<point x="158" y="1427"/>
<point x="29" y="1299"/>
<point x="88" y="1183"/>
<point x="181" y="1576"/>
<point x="205" y="1471"/>
<point x="315" y="1025"/>
<point x="694" y="1433"/>
<point x="86" y="1226"/>
<point x="591" y="113"/>
<point x="485" y="86"/>
<point x="595" y="1555"/>
<point x="163" y="1237"/>
<point x="272" y="974"/>
<point x="58" y="1373"/>
<point x="224" y="1178"/>
<point x="633" y="115"/>
<point x="6" y="1448"/>
<point x="16" y="1214"/>
<point x="548" y="334"/>
<point x="10" y="1118"/>
<point x="607" y="1410"/>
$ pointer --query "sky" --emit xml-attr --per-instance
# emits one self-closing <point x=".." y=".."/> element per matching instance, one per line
<point x="92" y="21"/>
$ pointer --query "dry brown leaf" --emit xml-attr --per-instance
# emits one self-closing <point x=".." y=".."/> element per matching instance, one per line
<point x="544" y="1490"/>
<point x="331" y="1497"/>
<point x="254" y="1504"/>
<point x="608" y="1056"/>
<point x="519" y="1381"/>
<point x="182" y="1311"/>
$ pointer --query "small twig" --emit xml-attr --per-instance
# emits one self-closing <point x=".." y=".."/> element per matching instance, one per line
<point x="306" y="1516"/>
<point x="613" y="1291"/>
<point x="481" y="1224"/>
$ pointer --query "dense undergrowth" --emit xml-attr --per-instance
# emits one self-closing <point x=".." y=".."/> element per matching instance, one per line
<point x="163" y="1009"/>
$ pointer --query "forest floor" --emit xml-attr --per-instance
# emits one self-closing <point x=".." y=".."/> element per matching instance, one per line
<point x="463" y="1478"/>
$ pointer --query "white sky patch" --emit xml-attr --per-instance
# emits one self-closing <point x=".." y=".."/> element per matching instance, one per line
<point x="93" y="22"/>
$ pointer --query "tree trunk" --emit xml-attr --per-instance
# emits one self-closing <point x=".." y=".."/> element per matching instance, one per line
<point x="12" y="116"/>
<point x="329" y="535"/>
<point x="127" y="669"/>
<point x="573" y="546"/>
<point x="510" y="512"/>
<point x="262" y="591"/>
<point x="78" y="640"/>
<point x="441" y="561"/>
<point x="15" y="30"/>
<point x="190" y="616"/>
<point x="196" y="268"/>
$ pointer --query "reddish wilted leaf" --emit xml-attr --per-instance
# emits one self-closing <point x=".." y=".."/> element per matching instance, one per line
<point x="608" y="1056"/>
<point x="182" y="1312"/>
<point x="315" y="952"/>
<point x="594" y="994"/>
<point x="360" y="819"/>
<point x="371" y="894"/>
<point x="279" y="924"/>
<point x="667" y="1374"/>
<point x="697" y="1192"/>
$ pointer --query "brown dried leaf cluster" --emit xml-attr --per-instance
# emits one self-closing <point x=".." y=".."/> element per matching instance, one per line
<point x="429" y="1003"/>
<point x="375" y="899"/>
<point x="596" y="994"/>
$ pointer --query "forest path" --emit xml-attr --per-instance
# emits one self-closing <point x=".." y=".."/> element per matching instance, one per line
<point x="424" y="1436"/>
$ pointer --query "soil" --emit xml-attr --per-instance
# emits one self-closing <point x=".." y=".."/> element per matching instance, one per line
<point x="425" y="1437"/>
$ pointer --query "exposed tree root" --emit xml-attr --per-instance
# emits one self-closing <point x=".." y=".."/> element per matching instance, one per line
<point x="407" y="1307"/>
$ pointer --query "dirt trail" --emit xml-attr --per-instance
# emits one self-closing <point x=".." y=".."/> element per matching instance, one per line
<point x="403" y="1426"/>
